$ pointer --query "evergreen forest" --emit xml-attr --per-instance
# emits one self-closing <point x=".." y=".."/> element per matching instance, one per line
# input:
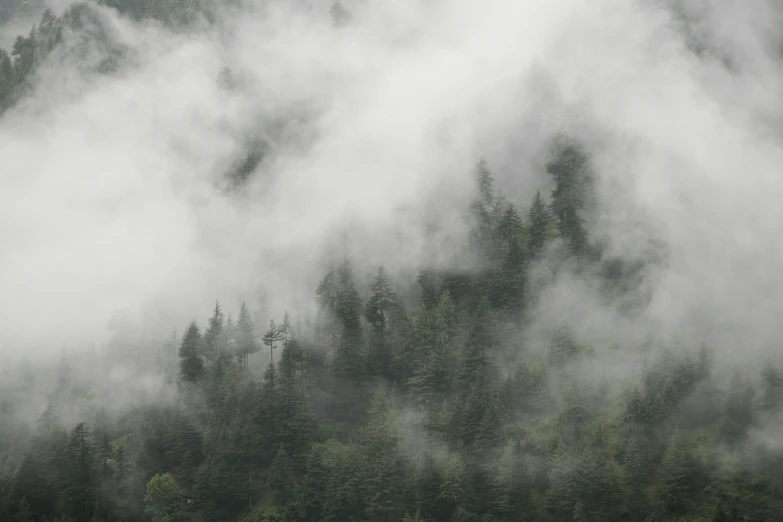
<point x="406" y="398"/>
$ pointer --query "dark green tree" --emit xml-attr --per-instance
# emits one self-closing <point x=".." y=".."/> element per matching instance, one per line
<point x="191" y="365"/>
<point x="80" y="493"/>
<point x="680" y="476"/>
<point x="215" y="336"/>
<point x="349" y="359"/>
<point x="378" y="310"/>
<point x="539" y="222"/>
<point x="246" y="343"/>
<point x="569" y="168"/>
<point x="282" y="479"/>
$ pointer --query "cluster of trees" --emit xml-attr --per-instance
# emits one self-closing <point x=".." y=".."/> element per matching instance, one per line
<point x="18" y="65"/>
<point x="383" y="411"/>
<point x="403" y="405"/>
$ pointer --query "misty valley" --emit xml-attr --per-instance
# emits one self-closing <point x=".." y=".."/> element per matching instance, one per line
<point x="351" y="261"/>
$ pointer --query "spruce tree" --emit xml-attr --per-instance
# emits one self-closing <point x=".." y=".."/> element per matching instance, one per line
<point x="434" y="376"/>
<point x="314" y="484"/>
<point x="281" y="478"/>
<point x="349" y="361"/>
<point x="246" y="336"/>
<point x="679" y="476"/>
<point x="191" y="366"/>
<point x="378" y="310"/>
<point x="79" y="496"/>
<point x="475" y="364"/>
<point x="569" y="168"/>
<point x="214" y="335"/>
<point x="539" y="222"/>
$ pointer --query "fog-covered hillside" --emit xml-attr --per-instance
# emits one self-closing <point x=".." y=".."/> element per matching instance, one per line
<point x="391" y="261"/>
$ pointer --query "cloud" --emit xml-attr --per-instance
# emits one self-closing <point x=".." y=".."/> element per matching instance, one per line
<point x="108" y="194"/>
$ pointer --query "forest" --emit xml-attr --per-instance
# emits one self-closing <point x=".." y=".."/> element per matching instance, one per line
<point x="401" y="400"/>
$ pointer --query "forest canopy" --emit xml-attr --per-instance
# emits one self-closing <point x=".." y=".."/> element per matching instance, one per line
<point x="567" y="351"/>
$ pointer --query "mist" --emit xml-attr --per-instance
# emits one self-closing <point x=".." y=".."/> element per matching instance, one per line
<point x="109" y="197"/>
<point x="125" y="212"/>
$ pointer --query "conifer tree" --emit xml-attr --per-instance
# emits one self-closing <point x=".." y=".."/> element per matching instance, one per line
<point x="434" y="377"/>
<point x="510" y="227"/>
<point x="475" y="364"/>
<point x="314" y="484"/>
<point x="679" y="476"/>
<point x="327" y="299"/>
<point x="271" y="337"/>
<point x="514" y="501"/>
<point x="281" y="478"/>
<point x="481" y="208"/>
<point x="214" y="335"/>
<point x="191" y="366"/>
<point x="79" y="497"/>
<point x="246" y="336"/>
<point x="378" y="310"/>
<point x="285" y="329"/>
<point x="349" y="361"/>
<point x="568" y="167"/>
<point x="428" y="486"/>
<point x="539" y="222"/>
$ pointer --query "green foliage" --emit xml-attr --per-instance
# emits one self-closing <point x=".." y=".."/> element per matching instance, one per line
<point x="569" y="168"/>
<point x="161" y="500"/>
<point x="415" y="404"/>
<point x="379" y="310"/>
<point x="191" y="365"/>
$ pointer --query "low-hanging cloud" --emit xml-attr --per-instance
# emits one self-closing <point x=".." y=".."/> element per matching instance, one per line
<point x="111" y="184"/>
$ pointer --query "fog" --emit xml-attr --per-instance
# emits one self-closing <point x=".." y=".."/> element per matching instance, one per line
<point x="111" y="195"/>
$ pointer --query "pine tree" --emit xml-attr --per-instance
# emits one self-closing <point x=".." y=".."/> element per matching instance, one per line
<point x="737" y="412"/>
<point x="285" y="329"/>
<point x="271" y="337"/>
<point x="281" y="478"/>
<point x="636" y="476"/>
<point x="539" y="222"/>
<point x="427" y="487"/>
<point x="434" y="376"/>
<point x="513" y="492"/>
<point x="455" y="489"/>
<point x="383" y="482"/>
<point x="246" y="337"/>
<point x="191" y="366"/>
<point x="314" y="484"/>
<point x="569" y="169"/>
<point x="475" y="364"/>
<point x="7" y="79"/>
<point x="328" y="324"/>
<point x="510" y="227"/>
<point x="481" y="209"/>
<point x="79" y="497"/>
<point x="377" y="310"/>
<point x="214" y="335"/>
<point x="679" y="476"/>
<point x="297" y="424"/>
<point x="349" y="361"/>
